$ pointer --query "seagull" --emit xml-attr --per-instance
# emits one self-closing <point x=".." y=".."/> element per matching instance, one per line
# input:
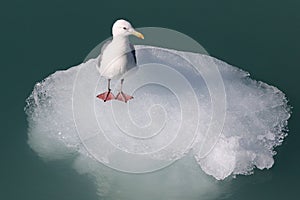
<point x="117" y="57"/>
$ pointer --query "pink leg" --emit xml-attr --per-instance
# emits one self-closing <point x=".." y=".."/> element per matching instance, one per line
<point x="121" y="96"/>
<point x="106" y="96"/>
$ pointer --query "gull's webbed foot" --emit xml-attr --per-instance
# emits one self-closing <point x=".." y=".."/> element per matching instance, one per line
<point x="121" y="96"/>
<point x="106" y="96"/>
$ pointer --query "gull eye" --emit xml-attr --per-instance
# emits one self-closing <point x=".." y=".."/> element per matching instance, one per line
<point x="124" y="28"/>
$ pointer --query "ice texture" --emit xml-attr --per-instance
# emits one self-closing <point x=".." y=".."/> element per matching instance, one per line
<point x="62" y="110"/>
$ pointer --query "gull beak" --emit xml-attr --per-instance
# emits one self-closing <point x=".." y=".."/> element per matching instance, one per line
<point x="138" y="34"/>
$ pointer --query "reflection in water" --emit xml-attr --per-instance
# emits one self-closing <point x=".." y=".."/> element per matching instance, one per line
<point x="182" y="180"/>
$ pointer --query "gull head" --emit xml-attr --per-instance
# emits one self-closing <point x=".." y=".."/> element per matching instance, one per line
<point x="123" y="28"/>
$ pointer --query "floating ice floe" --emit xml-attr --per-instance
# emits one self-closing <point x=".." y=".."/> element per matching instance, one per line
<point x="228" y="123"/>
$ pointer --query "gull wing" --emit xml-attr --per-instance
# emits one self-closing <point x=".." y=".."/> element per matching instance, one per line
<point x="133" y="52"/>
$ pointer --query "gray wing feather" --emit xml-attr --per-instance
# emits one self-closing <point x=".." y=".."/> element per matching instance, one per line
<point x="133" y="52"/>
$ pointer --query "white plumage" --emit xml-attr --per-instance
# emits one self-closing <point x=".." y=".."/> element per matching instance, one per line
<point x="117" y="56"/>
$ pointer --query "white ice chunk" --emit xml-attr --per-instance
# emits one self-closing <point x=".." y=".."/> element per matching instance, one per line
<point x="163" y="122"/>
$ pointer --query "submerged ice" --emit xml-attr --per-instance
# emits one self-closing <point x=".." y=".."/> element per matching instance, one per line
<point x="177" y="114"/>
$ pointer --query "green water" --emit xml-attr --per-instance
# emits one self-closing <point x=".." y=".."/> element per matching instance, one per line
<point x="41" y="37"/>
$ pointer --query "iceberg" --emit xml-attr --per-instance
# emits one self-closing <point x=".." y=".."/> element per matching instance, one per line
<point x="182" y="119"/>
